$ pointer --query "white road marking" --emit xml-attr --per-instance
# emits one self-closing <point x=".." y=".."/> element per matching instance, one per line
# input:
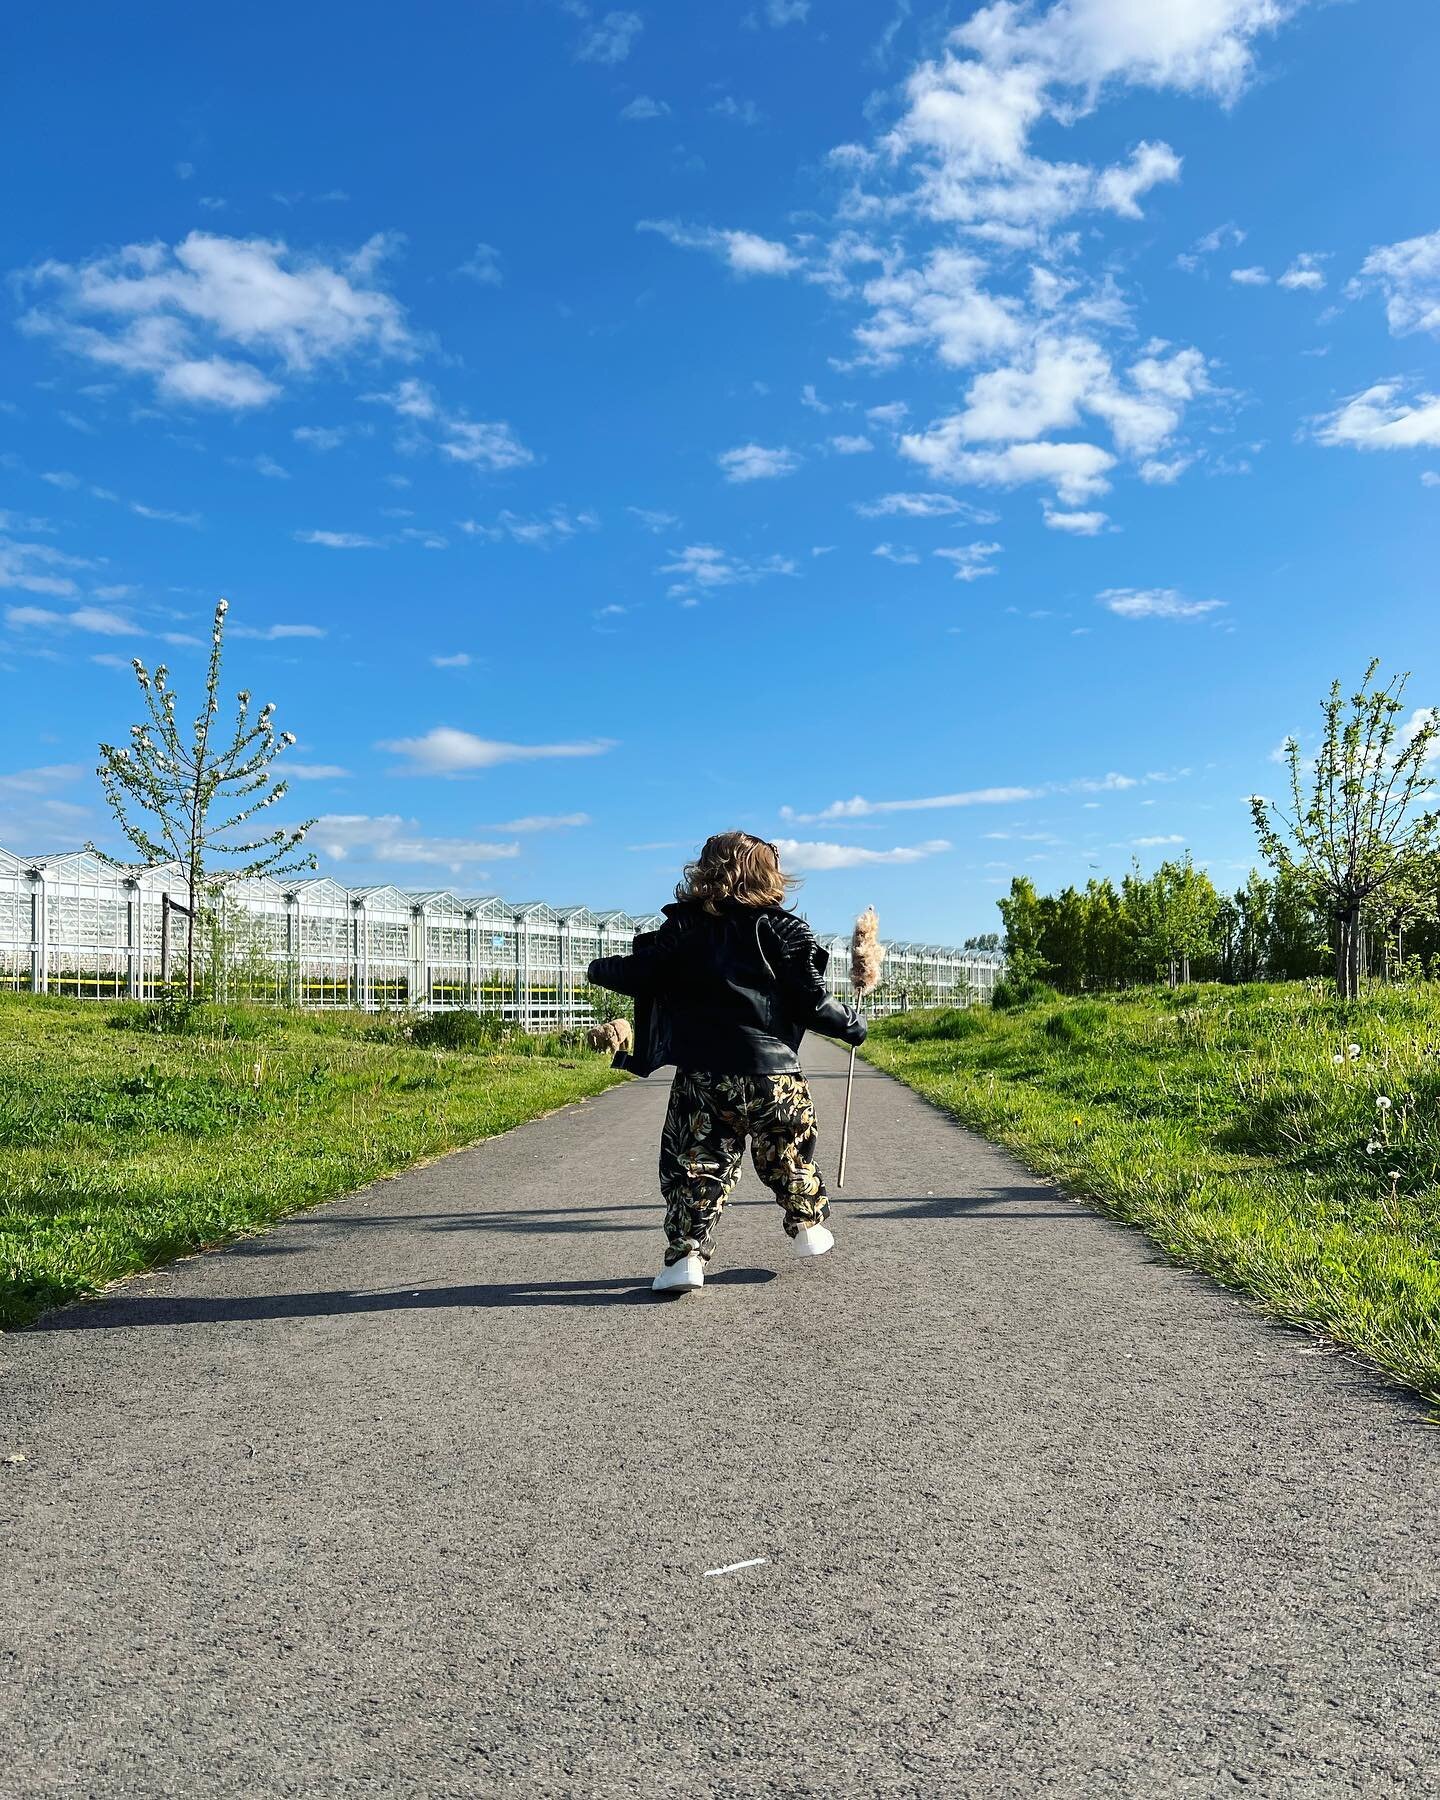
<point x="730" y="1568"/>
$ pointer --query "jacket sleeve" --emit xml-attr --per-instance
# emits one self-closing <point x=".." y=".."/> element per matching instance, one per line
<point x="643" y="972"/>
<point x="800" y="964"/>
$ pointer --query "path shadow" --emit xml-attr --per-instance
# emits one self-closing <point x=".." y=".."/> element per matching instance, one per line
<point x="993" y="1206"/>
<point x="122" y="1314"/>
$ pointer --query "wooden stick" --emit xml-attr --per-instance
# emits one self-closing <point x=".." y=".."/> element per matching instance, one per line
<point x="845" y="1130"/>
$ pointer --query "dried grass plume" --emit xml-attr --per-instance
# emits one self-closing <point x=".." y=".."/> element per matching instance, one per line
<point x="867" y="953"/>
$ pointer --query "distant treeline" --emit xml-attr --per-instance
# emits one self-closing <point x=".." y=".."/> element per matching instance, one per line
<point x="1175" y="925"/>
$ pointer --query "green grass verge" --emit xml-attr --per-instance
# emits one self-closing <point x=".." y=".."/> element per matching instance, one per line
<point x="1219" y="1121"/>
<point x="122" y="1145"/>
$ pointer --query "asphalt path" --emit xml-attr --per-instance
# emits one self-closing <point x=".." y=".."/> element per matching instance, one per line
<point x="416" y="1494"/>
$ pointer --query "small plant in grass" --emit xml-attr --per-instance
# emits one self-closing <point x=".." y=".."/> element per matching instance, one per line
<point x="164" y="786"/>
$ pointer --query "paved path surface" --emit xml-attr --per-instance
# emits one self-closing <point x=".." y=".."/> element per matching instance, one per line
<point x="414" y="1496"/>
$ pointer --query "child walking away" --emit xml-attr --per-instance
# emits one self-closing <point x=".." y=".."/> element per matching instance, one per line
<point x="725" y="990"/>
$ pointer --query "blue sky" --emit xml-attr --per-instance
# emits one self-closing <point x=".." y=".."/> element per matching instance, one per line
<point x="954" y="443"/>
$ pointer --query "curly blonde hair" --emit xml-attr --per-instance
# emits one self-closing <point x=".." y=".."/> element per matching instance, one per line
<point x="735" y="866"/>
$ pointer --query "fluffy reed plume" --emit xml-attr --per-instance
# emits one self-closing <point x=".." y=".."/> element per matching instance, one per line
<point x="866" y="952"/>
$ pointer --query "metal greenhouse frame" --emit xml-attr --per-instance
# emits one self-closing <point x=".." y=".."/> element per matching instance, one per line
<point x="78" y="924"/>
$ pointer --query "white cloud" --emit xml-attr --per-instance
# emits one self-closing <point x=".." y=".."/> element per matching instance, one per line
<point x="1078" y="524"/>
<point x="1304" y="273"/>
<point x="1148" y="843"/>
<point x="537" y="532"/>
<point x="643" y="107"/>
<point x="320" y="437"/>
<point x="1077" y="471"/>
<point x="849" y="445"/>
<point x="166" y="312"/>
<point x="744" y="252"/>
<point x="653" y="519"/>
<point x="85" y="618"/>
<point x="702" y="568"/>
<point x="808" y="397"/>
<point x="814" y="857"/>
<point x="483" y="266"/>
<point x="42" y="780"/>
<point x="896" y="553"/>
<point x="861" y="808"/>
<point x="1155" y="603"/>
<point x="447" y="751"/>
<point x="338" y="540"/>
<point x="462" y="659"/>
<point x="610" y="41"/>
<point x="971" y="561"/>
<point x="36" y="568"/>
<point x="482" y="443"/>
<point x="262" y="465"/>
<point x="1254" y="276"/>
<point x="1429" y="478"/>
<point x="923" y="506"/>
<point x="1119" y="188"/>
<point x="1408" y="273"/>
<point x="164" y="516"/>
<point x="542" y="822"/>
<point x="303" y="771"/>
<point x="391" y="839"/>
<point x="1379" y="419"/>
<point x="273" y="634"/>
<point x="891" y="415"/>
<point x="743" y="112"/>
<point x="754" y="462"/>
<point x="779" y="13"/>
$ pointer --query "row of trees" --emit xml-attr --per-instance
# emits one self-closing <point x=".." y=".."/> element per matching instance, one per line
<point x="1355" y="855"/>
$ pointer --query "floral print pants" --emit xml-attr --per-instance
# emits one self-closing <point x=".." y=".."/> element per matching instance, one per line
<point x="709" y="1119"/>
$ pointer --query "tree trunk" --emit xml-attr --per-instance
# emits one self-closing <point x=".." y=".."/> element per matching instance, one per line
<point x="190" y="943"/>
<point x="1349" y="954"/>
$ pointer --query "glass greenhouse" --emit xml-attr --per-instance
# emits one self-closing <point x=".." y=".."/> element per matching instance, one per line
<point x="77" y="924"/>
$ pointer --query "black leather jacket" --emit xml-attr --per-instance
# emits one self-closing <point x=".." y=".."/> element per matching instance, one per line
<point x="731" y="993"/>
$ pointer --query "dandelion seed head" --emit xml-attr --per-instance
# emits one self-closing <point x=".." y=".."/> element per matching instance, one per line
<point x="1384" y="1103"/>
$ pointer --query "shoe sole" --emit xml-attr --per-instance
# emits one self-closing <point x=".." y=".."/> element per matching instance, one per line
<point x="678" y="1287"/>
<point x="806" y="1254"/>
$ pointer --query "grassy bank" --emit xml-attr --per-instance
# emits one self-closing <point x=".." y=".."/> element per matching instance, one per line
<point x="122" y="1145"/>
<point x="1220" y="1121"/>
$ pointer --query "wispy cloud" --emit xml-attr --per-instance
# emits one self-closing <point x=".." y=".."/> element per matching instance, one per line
<point x="701" y="568"/>
<point x="444" y="750"/>
<point x="610" y="39"/>
<point x="643" y="107"/>
<point x="271" y="634"/>
<point x="814" y="857"/>
<point x="754" y="462"/>
<point x="339" y="540"/>
<point x="483" y="266"/>
<point x="488" y="444"/>
<point x="743" y="252"/>
<point x="969" y="562"/>
<point x="1155" y="603"/>
<point x="389" y="838"/>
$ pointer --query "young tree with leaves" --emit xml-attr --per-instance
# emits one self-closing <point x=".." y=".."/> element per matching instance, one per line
<point x="1360" y="828"/>
<point x="164" y="788"/>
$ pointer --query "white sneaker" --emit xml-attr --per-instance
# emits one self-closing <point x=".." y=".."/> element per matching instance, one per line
<point x="813" y="1240"/>
<point x="681" y="1277"/>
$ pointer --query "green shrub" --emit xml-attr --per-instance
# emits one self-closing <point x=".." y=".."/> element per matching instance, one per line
<point x="1026" y="990"/>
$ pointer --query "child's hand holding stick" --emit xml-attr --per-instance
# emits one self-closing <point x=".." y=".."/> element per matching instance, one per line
<point x="867" y="953"/>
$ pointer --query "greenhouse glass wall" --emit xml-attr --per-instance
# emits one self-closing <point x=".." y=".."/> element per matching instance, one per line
<point x="79" y="925"/>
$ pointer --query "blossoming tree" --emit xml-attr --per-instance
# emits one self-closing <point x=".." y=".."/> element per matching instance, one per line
<point x="1360" y="832"/>
<point x="168" y="790"/>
